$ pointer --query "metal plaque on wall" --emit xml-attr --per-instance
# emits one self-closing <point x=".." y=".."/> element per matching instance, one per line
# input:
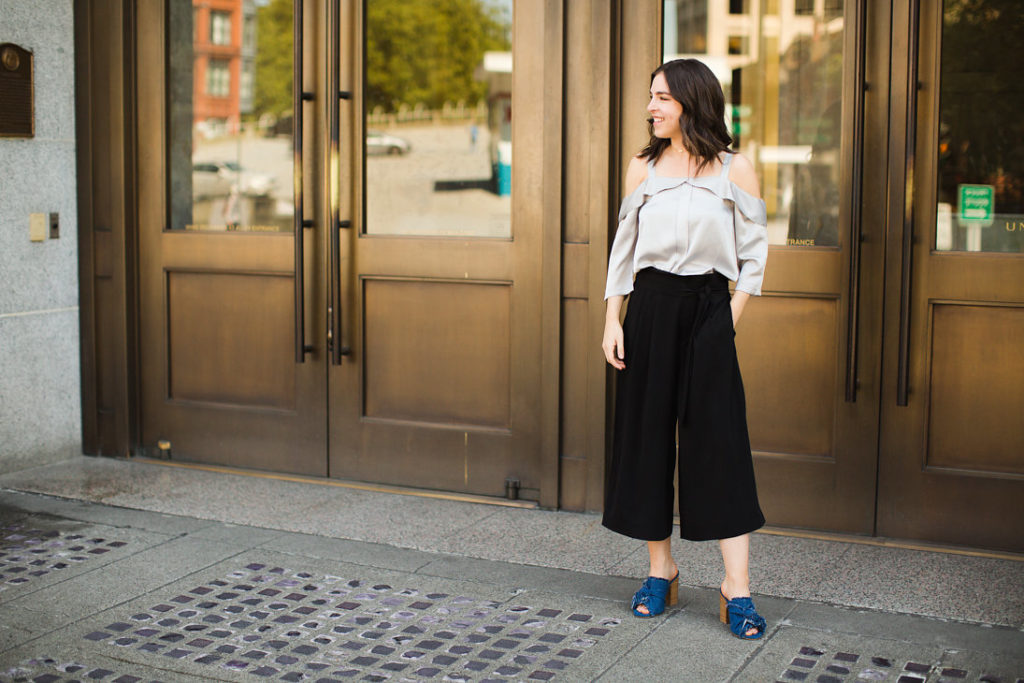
<point x="17" y="118"/>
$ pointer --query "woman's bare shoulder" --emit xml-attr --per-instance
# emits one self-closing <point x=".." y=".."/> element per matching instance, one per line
<point x="636" y="173"/>
<point x="741" y="172"/>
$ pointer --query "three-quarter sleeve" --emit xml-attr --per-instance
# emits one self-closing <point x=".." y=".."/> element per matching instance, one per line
<point x="620" y="260"/>
<point x="750" y="218"/>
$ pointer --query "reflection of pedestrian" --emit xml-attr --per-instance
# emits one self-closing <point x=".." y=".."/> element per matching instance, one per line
<point x="692" y="220"/>
<point x="814" y="212"/>
<point x="232" y="210"/>
<point x="473" y="132"/>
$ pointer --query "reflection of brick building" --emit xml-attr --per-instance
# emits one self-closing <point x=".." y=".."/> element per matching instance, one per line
<point x="225" y="47"/>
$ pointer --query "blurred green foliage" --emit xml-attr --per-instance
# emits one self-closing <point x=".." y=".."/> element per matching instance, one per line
<point x="426" y="51"/>
<point x="417" y="52"/>
<point x="272" y="92"/>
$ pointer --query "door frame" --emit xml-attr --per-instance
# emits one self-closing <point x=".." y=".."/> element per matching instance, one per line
<point x="105" y="118"/>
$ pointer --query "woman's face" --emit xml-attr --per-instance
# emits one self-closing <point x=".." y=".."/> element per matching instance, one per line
<point x="663" y="108"/>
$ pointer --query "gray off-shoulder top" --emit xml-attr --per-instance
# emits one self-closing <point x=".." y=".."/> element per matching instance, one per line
<point x="690" y="226"/>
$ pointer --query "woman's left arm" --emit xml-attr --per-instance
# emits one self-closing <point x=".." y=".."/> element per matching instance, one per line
<point x="739" y="300"/>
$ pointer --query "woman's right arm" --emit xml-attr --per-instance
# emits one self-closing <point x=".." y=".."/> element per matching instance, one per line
<point x="614" y="351"/>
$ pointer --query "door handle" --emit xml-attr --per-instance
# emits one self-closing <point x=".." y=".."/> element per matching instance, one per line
<point x="907" y="245"/>
<point x="299" y="96"/>
<point x="856" y="192"/>
<point x="335" y="313"/>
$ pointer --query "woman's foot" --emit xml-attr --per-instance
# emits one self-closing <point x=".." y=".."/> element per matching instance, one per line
<point x="741" y="594"/>
<point x="655" y="595"/>
<point x="669" y="572"/>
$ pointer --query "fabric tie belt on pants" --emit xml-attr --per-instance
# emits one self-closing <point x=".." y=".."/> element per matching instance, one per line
<point x="701" y="286"/>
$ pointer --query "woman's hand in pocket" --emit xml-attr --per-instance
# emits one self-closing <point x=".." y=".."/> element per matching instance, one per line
<point x="738" y="302"/>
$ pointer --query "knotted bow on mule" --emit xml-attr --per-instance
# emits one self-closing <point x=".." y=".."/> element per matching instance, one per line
<point x="655" y="594"/>
<point x="741" y="616"/>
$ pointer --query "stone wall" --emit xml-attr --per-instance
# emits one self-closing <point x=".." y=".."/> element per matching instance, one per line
<point x="40" y="397"/>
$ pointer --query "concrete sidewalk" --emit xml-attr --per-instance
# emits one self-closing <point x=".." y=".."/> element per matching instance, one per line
<point x="120" y="570"/>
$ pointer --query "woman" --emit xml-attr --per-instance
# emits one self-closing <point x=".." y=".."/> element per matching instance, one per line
<point x="692" y="220"/>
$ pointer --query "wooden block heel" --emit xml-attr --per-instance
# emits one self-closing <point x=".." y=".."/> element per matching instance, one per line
<point x="673" y="591"/>
<point x="723" y="609"/>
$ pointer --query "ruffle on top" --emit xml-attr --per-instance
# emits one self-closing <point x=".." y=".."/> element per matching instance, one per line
<point x="753" y="208"/>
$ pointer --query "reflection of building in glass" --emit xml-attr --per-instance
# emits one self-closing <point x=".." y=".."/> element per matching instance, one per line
<point x="496" y="70"/>
<point x="980" y="165"/>
<point x="224" y="47"/>
<point x="780" y="65"/>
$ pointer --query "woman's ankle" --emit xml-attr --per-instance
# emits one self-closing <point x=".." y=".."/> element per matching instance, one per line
<point x="663" y="570"/>
<point x="735" y="588"/>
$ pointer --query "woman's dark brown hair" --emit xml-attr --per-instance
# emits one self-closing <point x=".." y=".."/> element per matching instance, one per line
<point x="691" y="84"/>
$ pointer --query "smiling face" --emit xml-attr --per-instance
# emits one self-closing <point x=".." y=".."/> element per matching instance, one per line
<point x="664" y="109"/>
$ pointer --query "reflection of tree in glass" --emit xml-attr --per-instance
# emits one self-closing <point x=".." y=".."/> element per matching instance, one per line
<point x="982" y="96"/>
<point x="426" y="51"/>
<point x="273" y="87"/>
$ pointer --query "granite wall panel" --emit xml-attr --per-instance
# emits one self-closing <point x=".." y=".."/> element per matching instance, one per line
<point x="40" y="397"/>
<point x="40" y="402"/>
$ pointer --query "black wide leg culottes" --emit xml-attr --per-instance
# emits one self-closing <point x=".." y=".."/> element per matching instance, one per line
<point x="681" y="369"/>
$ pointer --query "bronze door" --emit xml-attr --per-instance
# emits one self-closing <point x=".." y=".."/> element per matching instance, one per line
<point x="809" y="347"/>
<point x="951" y="461"/>
<point x="436" y="380"/>
<point x="882" y="363"/>
<point x="411" y="351"/>
<point x="218" y="307"/>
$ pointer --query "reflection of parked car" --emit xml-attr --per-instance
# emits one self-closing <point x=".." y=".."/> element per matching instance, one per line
<point x="216" y="178"/>
<point x="381" y="143"/>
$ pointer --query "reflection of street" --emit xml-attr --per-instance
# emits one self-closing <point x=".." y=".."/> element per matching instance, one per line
<point x="401" y="190"/>
<point x="252" y="214"/>
<point x="259" y="212"/>
<point x="403" y="194"/>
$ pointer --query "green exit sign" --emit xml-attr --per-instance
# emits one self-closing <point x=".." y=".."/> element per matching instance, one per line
<point x="977" y="203"/>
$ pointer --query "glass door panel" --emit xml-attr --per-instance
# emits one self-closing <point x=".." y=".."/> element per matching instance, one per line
<point x="781" y="68"/>
<point x="980" y="204"/>
<point x="438" y="118"/>
<point x="229" y="132"/>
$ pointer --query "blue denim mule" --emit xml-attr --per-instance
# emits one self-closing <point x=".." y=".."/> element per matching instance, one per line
<point x="655" y="594"/>
<point x="741" y="616"/>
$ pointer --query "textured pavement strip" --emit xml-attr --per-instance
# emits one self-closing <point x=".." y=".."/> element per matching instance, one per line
<point x="496" y="611"/>
<point x="34" y="553"/>
<point x="268" y="615"/>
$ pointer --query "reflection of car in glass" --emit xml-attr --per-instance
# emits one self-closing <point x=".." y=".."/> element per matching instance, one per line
<point x="381" y="143"/>
<point x="216" y="178"/>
